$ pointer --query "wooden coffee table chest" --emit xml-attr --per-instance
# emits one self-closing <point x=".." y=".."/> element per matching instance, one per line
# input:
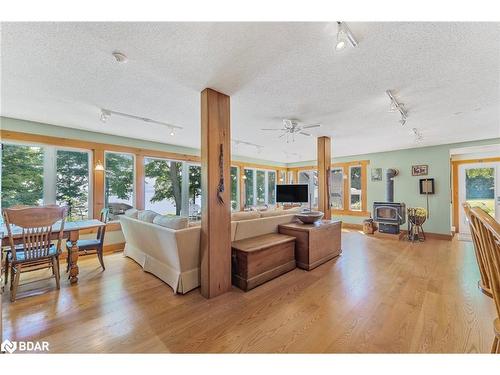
<point x="315" y="243"/>
<point x="262" y="258"/>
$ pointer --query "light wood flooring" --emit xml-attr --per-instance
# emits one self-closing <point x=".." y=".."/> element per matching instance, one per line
<point x="379" y="296"/>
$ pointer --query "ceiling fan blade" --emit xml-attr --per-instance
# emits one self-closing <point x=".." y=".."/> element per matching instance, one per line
<point x="306" y="134"/>
<point x="282" y="135"/>
<point x="311" y="126"/>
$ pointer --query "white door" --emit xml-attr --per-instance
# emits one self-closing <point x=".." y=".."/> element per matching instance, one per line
<point x="479" y="186"/>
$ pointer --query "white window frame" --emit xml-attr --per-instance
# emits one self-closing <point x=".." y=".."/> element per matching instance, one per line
<point x="266" y="184"/>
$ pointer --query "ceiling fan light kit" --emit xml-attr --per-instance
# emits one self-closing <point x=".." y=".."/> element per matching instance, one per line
<point x="291" y="128"/>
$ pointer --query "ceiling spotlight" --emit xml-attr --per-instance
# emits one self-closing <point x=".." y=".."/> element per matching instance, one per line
<point x="105" y="115"/>
<point x="393" y="107"/>
<point x="120" y="57"/>
<point x="172" y="132"/>
<point x="416" y="134"/>
<point x="344" y="36"/>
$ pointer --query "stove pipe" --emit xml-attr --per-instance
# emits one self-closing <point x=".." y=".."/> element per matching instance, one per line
<point x="389" y="189"/>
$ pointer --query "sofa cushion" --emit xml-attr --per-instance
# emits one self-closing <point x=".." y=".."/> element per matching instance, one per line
<point x="258" y="227"/>
<point x="245" y="215"/>
<point x="147" y="216"/>
<point x="131" y="212"/>
<point x="276" y="212"/>
<point x="172" y="222"/>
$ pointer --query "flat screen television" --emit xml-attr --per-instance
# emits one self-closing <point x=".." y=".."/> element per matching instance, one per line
<point x="293" y="193"/>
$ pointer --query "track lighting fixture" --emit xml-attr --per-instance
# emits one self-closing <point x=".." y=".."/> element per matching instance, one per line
<point x="344" y="37"/>
<point x="397" y="106"/>
<point x="105" y="115"/>
<point x="416" y="134"/>
<point x="120" y="58"/>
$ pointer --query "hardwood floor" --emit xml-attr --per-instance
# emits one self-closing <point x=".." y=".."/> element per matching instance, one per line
<point x="379" y="296"/>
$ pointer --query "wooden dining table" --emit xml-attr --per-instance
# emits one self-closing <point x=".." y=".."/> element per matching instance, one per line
<point x="71" y="232"/>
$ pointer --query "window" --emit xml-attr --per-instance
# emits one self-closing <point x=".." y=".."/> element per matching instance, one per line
<point x="194" y="192"/>
<point x="337" y="188"/>
<point x="235" y="193"/>
<point x="271" y="187"/>
<point x="346" y="188"/>
<point x="310" y="178"/>
<point x="290" y="178"/>
<point x="282" y="179"/>
<point x="260" y="187"/>
<point x="72" y="183"/>
<point x="119" y="183"/>
<point x="22" y="175"/>
<point x="355" y="188"/>
<point x="163" y="186"/>
<point x="249" y="188"/>
<point x="35" y="175"/>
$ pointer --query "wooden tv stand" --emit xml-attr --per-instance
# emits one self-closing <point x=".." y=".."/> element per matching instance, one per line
<point x="315" y="243"/>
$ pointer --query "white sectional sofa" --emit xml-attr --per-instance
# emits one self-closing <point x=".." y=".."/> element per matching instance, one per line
<point x="173" y="255"/>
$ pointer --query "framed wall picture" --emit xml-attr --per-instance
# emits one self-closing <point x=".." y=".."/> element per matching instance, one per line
<point x="376" y="174"/>
<point x="419" y="170"/>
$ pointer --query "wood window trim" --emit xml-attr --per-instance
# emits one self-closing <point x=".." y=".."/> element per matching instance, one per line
<point x="345" y="170"/>
<point x="98" y="153"/>
<point x="454" y="185"/>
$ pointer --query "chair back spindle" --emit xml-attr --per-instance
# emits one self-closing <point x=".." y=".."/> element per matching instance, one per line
<point x="36" y="224"/>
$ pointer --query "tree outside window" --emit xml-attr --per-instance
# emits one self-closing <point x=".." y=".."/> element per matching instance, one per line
<point x="164" y="186"/>
<point x="119" y="183"/>
<point x="72" y="184"/>
<point x="22" y="175"/>
<point x="355" y="188"/>
<point x="234" y="189"/>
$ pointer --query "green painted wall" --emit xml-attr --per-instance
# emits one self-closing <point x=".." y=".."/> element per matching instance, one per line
<point x="406" y="187"/>
<point x="24" y="126"/>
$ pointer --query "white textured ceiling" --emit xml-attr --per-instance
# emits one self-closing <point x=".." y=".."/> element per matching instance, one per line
<point x="447" y="74"/>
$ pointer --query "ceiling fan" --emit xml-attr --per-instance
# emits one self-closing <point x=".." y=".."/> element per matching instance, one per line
<point x="292" y="127"/>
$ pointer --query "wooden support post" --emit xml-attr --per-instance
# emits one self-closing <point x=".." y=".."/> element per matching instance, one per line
<point x="324" y="166"/>
<point x="98" y="176"/>
<point x="139" y="182"/>
<point x="216" y="205"/>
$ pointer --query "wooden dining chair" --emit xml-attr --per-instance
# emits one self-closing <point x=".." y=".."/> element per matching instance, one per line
<point x="489" y="233"/>
<point x="35" y="251"/>
<point x="96" y="244"/>
<point x="479" y="249"/>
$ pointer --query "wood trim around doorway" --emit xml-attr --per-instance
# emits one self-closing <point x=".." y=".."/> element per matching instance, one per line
<point x="454" y="178"/>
